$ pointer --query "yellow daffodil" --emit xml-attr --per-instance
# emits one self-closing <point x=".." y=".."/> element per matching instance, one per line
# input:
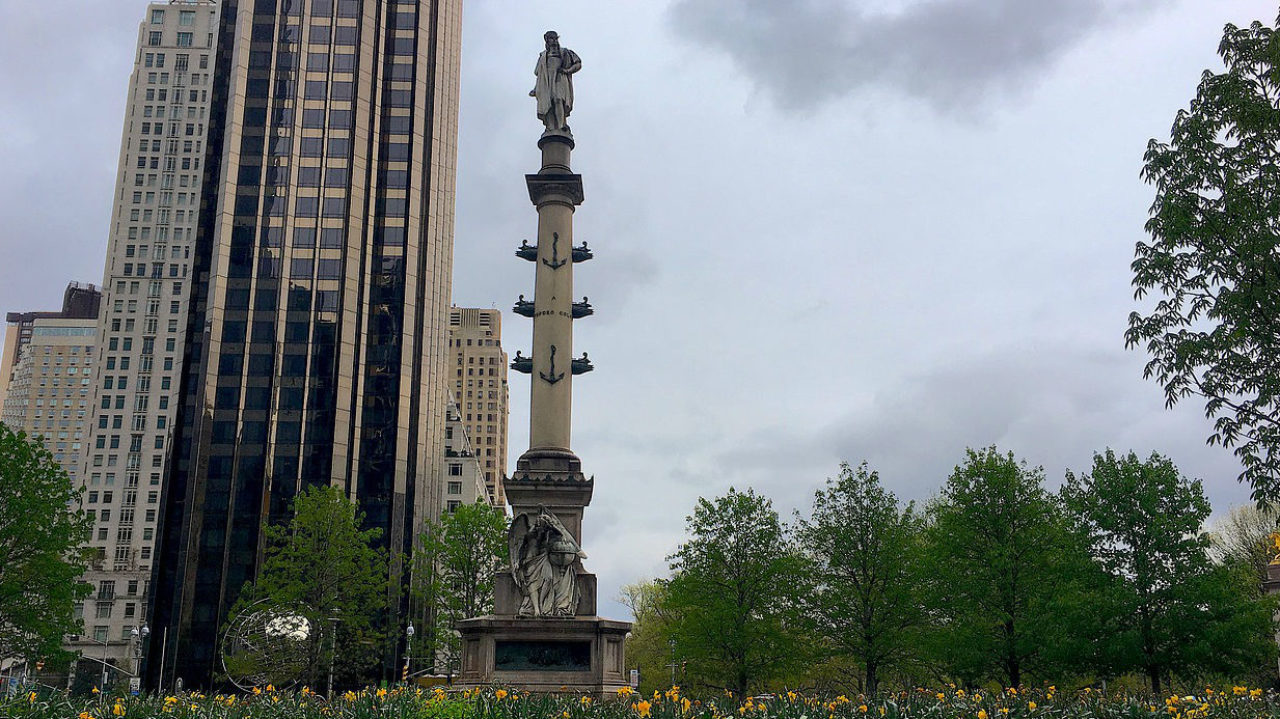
<point x="118" y="709"/>
<point x="1031" y="706"/>
<point x="585" y="701"/>
<point x="982" y="714"/>
<point x="862" y="708"/>
<point x="642" y="708"/>
<point x="626" y="692"/>
<point x="500" y="694"/>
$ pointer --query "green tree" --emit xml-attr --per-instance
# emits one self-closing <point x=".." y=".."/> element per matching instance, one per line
<point x="1214" y="256"/>
<point x="649" y="648"/>
<point x="865" y="549"/>
<point x="42" y="555"/>
<point x="324" y="567"/>
<point x="1244" y="537"/>
<point x="999" y="559"/>
<point x="734" y="595"/>
<point x="1172" y="610"/>
<point x="455" y="564"/>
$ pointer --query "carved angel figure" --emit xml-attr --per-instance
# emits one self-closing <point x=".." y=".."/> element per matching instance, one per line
<point x="543" y="554"/>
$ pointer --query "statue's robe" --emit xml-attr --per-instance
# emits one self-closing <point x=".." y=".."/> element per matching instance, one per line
<point x="555" y="84"/>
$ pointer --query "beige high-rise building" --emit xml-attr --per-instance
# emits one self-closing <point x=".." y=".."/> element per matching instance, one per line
<point x="80" y="301"/>
<point x="463" y="481"/>
<point x="480" y="388"/>
<point x="49" y="389"/>
<point x="146" y="285"/>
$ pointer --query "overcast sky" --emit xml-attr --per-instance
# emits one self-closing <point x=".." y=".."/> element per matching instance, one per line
<point x="825" y="229"/>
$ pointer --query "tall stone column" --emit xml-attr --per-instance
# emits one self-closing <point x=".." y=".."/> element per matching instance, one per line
<point x="555" y="191"/>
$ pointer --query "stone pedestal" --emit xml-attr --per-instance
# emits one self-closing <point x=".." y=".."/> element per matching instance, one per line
<point x="583" y="653"/>
<point x="571" y="654"/>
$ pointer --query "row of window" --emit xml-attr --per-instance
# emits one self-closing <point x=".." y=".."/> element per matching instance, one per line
<point x="181" y="63"/>
<point x="96" y="479"/>
<point x="155" y="38"/>
<point x="186" y="18"/>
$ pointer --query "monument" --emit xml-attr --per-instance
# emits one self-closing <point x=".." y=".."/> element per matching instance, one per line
<point x="544" y="634"/>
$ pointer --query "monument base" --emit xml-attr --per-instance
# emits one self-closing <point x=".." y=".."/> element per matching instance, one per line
<point x="583" y="655"/>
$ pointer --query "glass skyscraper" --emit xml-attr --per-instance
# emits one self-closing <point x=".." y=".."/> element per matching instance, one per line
<point x="317" y="333"/>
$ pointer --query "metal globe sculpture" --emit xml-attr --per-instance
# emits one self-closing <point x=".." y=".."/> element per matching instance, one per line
<point x="266" y="645"/>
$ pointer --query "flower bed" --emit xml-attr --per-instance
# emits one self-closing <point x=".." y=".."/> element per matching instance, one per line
<point x="1237" y="702"/>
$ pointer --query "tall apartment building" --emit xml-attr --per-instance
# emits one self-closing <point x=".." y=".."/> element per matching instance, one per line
<point x="79" y="301"/>
<point x="316" y="342"/>
<point x="480" y="387"/>
<point x="49" y="392"/>
<point x="463" y="481"/>
<point x="143" y="320"/>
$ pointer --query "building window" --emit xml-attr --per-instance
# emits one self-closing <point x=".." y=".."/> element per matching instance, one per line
<point x="157" y="17"/>
<point x="455" y="488"/>
<point x="455" y="470"/>
<point x="187" y="18"/>
<point x="153" y="40"/>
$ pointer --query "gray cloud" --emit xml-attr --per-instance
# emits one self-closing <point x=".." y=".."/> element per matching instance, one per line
<point x="949" y="53"/>
<point x="1052" y="405"/>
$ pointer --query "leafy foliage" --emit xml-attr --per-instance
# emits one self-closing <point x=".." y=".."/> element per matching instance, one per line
<point x="42" y="555"/>
<point x="1214" y="255"/>
<point x="999" y="556"/>
<point x="324" y="567"/>
<point x="1172" y="609"/>
<point x="648" y="647"/>
<point x="455" y="564"/>
<point x="1244" y="537"/>
<point x="866" y="557"/>
<point x="735" y="594"/>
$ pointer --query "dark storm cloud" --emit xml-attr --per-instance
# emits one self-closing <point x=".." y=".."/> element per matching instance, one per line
<point x="950" y="53"/>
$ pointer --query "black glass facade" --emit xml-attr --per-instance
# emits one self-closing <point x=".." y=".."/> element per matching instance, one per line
<point x="318" y="322"/>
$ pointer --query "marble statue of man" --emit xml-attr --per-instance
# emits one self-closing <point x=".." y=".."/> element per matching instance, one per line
<point x="554" y="88"/>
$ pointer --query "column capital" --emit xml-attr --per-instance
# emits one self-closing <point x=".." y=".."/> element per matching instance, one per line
<point x="547" y="188"/>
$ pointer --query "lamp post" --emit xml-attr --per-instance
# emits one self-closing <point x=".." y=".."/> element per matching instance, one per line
<point x="408" y="650"/>
<point x="137" y="636"/>
<point x="672" y="643"/>
<point x="333" y="649"/>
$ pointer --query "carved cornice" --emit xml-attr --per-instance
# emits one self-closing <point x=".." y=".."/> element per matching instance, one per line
<point x="555" y="188"/>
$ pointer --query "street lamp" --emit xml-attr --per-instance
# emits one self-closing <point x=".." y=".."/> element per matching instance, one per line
<point x="672" y="643"/>
<point x="136" y="637"/>
<point x="408" y="650"/>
